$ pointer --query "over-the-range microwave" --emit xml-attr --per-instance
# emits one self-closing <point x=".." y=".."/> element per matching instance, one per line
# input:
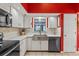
<point x="5" y="19"/>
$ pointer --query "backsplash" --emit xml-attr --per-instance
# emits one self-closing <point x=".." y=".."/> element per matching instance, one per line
<point x="49" y="31"/>
<point x="56" y="31"/>
<point x="9" y="32"/>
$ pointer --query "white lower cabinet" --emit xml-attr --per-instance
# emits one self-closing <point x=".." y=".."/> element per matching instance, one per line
<point x="39" y="45"/>
<point x="23" y="47"/>
<point x="29" y="43"/>
<point x="35" y="45"/>
<point x="44" y="45"/>
<point x="26" y="44"/>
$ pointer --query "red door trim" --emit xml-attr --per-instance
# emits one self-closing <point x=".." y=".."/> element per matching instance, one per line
<point x="32" y="22"/>
<point x="62" y="36"/>
<point x="47" y="22"/>
<point x="77" y="33"/>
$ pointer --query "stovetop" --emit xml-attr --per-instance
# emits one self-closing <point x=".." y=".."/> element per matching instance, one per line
<point x="7" y="45"/>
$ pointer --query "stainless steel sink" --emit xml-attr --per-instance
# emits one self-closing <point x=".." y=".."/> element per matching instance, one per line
<point x="40" y="37"/>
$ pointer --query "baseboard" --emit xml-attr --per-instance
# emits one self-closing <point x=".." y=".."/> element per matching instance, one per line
<point x="61" y="51"/>
<point x="42" y="51"/>
<point x="37" y="51"/>
<point x="77" y="51"/>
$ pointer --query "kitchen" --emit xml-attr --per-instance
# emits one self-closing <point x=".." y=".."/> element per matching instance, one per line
<point x="28" y="28"/>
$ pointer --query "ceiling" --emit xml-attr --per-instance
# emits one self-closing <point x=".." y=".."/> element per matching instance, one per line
<point x="51" y="7"/>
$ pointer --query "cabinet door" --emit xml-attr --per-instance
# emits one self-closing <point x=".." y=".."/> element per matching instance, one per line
<point x="35" y="45"/>
<point x="29" y="43"/>
<point x="26" y="44"/>
<point x="5" y="7"/>
<point x="44" y="45"/>
<point x="52" y="22"/>
<point x="27" y="21"/>
<point x="20" y="21"/>
<point x="17" y="19"/>
<point x="23" y="47"/>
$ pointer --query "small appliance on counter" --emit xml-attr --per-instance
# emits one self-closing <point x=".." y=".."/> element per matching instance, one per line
<point x="1" y="38"/>
<point x="22" y="31"/>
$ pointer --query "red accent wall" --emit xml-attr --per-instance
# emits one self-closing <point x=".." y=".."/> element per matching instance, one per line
<point x="51" y="7"/>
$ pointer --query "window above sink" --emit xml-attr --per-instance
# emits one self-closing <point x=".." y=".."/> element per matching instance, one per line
<point x="40" y="24"/>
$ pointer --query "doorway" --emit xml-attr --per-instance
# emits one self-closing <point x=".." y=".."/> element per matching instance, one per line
<point x="70" y="30"/>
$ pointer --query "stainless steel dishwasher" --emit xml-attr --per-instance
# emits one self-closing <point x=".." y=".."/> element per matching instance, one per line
<point x="54" y="44"/>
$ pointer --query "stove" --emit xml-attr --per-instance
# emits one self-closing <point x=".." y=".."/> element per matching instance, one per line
<point x="1" y="38"/>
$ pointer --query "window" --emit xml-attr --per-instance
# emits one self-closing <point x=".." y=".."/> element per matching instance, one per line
<point x="40" y="24"/>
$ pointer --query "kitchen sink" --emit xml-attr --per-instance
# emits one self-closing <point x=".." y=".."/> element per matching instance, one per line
<point x="40" y="37"/>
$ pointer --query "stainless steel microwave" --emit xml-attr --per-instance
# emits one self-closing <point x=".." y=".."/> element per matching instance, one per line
<point x="5" y="19"/>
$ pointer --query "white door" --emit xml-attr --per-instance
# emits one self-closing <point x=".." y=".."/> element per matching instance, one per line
<point x="70" y="32"/>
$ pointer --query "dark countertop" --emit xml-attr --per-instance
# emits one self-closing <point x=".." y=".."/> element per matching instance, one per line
<point x="7" y="46"/>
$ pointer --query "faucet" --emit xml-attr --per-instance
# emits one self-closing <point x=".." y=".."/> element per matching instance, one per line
<point x="39" y="31"/>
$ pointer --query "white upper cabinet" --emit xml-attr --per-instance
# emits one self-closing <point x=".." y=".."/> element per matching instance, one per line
<point x="17" y="19"/>
<point x="52" y="22"/>
<point x="21" y="21"/>
<point x="27" y="21"/>
<point x="5" y="7"/>
<point x="17" y="12"/>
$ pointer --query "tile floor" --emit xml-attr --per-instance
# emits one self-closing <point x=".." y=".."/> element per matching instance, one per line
<point x="50" y="54"/>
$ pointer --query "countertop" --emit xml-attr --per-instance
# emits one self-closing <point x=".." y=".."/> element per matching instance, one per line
<point x="49" y="35"/>
<point x="30" y="35"/>
<point x="18" y="38"/>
